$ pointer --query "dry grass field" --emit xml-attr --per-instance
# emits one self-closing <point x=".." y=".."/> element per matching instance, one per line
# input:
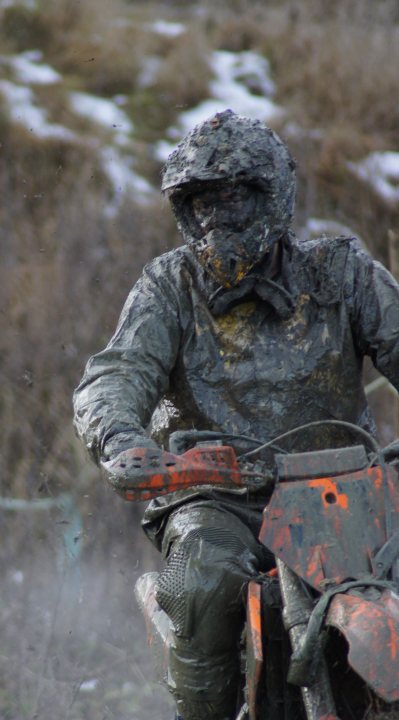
<point x="71" y="248"/>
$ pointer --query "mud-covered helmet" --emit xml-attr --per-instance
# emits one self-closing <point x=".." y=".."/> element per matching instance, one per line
<point x="229" y="151"/>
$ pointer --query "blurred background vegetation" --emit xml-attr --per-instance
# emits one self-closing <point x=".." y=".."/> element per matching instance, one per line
<point x="72" y="247"/>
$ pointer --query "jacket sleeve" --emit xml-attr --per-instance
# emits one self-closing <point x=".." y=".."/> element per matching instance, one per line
<point x="374" y="303"/>
<point x="122" y="385"/>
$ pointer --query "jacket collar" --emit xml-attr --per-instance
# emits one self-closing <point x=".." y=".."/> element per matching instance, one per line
<point x="271" y="282"/>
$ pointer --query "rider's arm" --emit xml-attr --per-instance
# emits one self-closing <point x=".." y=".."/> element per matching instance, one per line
<point x="122" y="384"/>
<point x="373" y="297"/>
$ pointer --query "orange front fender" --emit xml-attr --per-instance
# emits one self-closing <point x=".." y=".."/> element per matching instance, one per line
<point x="371" y="628"/>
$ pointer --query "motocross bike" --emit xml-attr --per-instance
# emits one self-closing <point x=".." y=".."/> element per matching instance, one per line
<point x="322" y="632"/>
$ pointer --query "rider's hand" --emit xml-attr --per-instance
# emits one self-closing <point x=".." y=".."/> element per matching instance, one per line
<point x="257" y="474"/>
<point x="125" y="470"/>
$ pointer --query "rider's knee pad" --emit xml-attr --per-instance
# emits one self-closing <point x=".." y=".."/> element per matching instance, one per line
<point x="202" y="587"/>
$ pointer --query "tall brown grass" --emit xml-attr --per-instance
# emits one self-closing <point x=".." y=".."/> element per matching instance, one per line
<point x="66" y="272"/>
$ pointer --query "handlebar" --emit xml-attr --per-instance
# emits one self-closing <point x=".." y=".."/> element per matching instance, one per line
<point x="150" y="473"/>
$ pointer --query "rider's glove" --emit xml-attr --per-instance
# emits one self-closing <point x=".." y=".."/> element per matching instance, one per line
<point x="125" y="471"/>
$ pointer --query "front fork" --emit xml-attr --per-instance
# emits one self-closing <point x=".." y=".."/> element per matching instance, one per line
<point x="297" y="606"/>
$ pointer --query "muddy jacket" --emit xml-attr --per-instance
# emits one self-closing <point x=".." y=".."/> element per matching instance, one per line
<point x="274" y="359"/>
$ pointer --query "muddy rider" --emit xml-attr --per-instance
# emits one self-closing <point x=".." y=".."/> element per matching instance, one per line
<point x="243" y="329"/>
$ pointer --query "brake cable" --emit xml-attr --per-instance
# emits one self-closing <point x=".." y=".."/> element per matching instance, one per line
<point x="318" y="423"/>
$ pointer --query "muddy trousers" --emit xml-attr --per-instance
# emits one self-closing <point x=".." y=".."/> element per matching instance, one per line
<point x="211" y="555"/>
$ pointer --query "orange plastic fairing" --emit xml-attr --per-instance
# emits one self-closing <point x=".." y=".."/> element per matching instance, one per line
<point x="372" y="631"/>
<point x="329" y="529"/>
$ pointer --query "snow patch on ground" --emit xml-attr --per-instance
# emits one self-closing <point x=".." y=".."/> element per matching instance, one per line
<point x="381" y="171"/>
<point x="28" y="68"/>
<point x="164" y="27"/>
<point x="247" y="67"/>
<point x="237" y="76"/>
<point x="23" y="109"/>
<point x="116" y="159"/>
<point x="103" y="112"/>
<point x="119" y="170"/>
